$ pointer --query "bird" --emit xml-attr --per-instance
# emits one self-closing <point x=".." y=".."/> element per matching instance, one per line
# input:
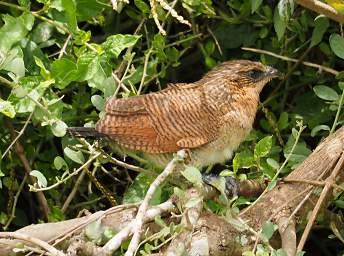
<point x="209" y="118"/>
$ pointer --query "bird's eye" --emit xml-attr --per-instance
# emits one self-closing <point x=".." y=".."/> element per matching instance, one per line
<point x="255" y="74"/>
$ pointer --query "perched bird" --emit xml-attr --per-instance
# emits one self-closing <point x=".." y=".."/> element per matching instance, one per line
<point x="210" y="117"/>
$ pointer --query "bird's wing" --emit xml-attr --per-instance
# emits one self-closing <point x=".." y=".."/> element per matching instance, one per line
<point x="161" y="122"/>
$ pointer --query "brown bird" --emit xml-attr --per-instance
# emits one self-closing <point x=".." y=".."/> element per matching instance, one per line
<point x="210" y="117"/>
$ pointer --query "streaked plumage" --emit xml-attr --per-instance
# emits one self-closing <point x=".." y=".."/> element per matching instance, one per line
<point x="211" y="117"/>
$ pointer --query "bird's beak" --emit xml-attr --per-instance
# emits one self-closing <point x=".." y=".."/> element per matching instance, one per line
<point x="272" y="72"/>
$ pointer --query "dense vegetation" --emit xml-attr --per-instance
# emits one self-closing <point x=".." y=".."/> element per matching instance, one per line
<point x="61" y="59"/>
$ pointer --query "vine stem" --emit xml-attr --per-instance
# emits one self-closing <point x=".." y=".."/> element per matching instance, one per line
<point x="335" y="122"/>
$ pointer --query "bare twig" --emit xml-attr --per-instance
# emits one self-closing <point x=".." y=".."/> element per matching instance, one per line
<point x="144" y="73"/>
<point x="33" y="240"/>
<point x="330" y="180"/>
<point x="313" y="182"/>
<point x="114" y="243"/>
<point x="12" y="216"/>
<point x="63" y="49"/>
<point x="18" y="136"/>
<point x="322" y="8"/>
<point x="138" y="222"/>
<point x="73" y="192"/>
<point x="69" y="176"/>
<point x="306" y="63"/>
<point x="27" y="167"/>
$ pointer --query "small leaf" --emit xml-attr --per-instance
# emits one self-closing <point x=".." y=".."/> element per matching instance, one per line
<point x="341" y="85"/>
<point x="337" y="45"/>
<point x="318" y="128"/>
<point x="76" y="156"/>
<point x="283" y="121"/>
<point x="321" y="24"/>
<point x="255" y="4"/>
<point x="325" y="93"/>
<point x="41" y="180"/>
<point x="279" y="24"/>
<point x="59" y="128"/>
<point x="192" y="174"/>
<point x="59" y="163"/>
<point x="273" y="163"/>
<point x="115" y="44"/>
<point x="263" y="147"/>
<point x="98" y="101"/>
<point x="272" y="184"/>
<point x="7" y="108"/>
<point x="268" y="230"/>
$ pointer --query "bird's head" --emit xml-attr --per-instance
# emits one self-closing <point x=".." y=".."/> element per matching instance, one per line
<point x="244" y="73"/>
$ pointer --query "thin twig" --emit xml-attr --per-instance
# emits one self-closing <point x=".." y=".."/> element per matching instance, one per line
<point x="27" y="167"/>
<point x="73" y="192"/>
<point x="330" y="180"/>
<point x="313" y="182"/>
<point x="14" y="235"/>
<point x="59" y="182"/>
<point x="138" y="222"/>
<point x="63" y="49"/>
<point x="144" y="73"/>
<point x="14" y="206"/>
<point x="115" y="242"/>
<point x="306" y="63"/>
<point x="21" y="132"/>
<point x="335" y="122"/>
<point x="322" y="8"/>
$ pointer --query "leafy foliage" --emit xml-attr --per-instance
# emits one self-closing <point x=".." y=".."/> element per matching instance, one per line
<point x="60" y="60"/>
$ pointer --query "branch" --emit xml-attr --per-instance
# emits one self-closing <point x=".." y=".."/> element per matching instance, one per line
<point x="322" y="8"/>
<point x="306" y="63"/>
<point x="27" y="167"/>
<point x="33" y="240"/>
<point x="138" y="222"/>
<point x="329" y="181"/>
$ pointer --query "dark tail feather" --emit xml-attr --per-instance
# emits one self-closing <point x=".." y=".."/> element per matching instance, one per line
<point x="84" y="132"/>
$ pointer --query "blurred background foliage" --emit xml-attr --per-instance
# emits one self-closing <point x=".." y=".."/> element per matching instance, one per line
<point x="61" y="59"/>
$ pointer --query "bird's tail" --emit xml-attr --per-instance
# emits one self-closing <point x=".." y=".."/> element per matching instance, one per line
<point x="84" y="132"/>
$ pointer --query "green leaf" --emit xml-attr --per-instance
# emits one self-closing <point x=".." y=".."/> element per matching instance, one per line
<point x="321" y="24"/>
<point x="41" y="180"/>
<point x="341" y="85"/>
<point x="94" y="231"/>
<point x="14" y="30"/>
<point x="76" y="156"/>
<point x="144" y="8"/>
<point x="279" y="24"/>
<point x="138" y="189"/>
<point x="192" y="174"/>
<point x="268" y="229"/>
<point x="273" y="163"/>
<point x="325" y="93"/>
<point x="7" y="108"/>
<point x="59" y="128"/>
<point x="98" y="101"/>
<point x="59" y="163"/>
<point x="64" y="71"/>
<point x="42" y="32"/>
<point x="13" y="61"/>
<point x="255" y="4"/>
<point x="115" y="44"/>
<point x="86" y="9"/>
<point x="263" y="147"/>
<point x="318" y="128"/>
<point x="283" y="121"/>
<point x="337" y="45"/>
<point x="279" y="252"/>
<point x="69" y="7"/>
